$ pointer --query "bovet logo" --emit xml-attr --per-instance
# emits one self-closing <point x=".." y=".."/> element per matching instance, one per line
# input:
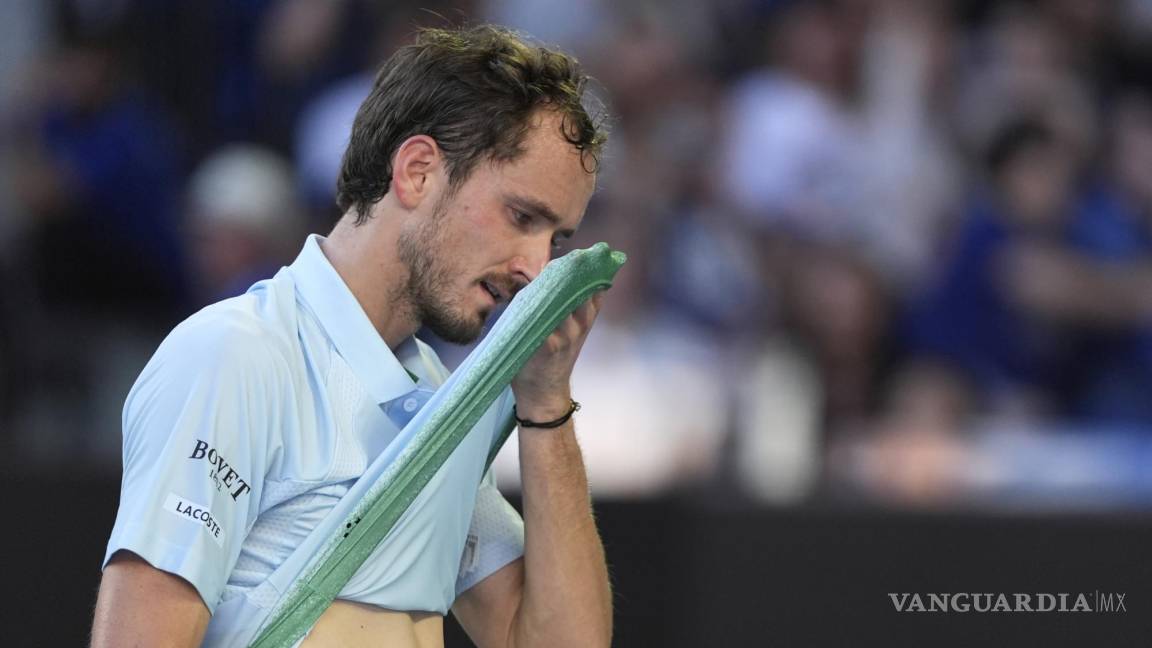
<point x="197" y="513"/>
<point x="221" y="473"/>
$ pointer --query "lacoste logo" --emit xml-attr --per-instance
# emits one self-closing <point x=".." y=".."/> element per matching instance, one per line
<point x="194" y="512"/>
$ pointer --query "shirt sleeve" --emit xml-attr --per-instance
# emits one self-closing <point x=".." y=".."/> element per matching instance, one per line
<point x="495" y="537"/>
<point x="197" y="443"/>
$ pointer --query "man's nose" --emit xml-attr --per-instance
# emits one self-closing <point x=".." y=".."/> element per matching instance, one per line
<point x="530" y="262"/>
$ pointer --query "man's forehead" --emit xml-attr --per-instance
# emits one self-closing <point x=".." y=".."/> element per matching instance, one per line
<point x="550" y="177"/>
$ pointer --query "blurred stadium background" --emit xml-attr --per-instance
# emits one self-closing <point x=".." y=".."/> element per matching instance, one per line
<point x="886" y="324"/>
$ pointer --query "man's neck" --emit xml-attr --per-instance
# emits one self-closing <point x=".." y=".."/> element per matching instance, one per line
<point x="365" y="258"/>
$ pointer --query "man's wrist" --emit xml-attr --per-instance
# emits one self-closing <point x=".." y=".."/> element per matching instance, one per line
<point x="548" y="408"/>
<point x="559" y="421"/>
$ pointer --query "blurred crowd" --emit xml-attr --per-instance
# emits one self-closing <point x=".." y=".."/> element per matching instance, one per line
<point x="880" y="251"/>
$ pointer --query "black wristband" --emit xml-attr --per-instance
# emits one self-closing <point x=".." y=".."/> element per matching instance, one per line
<point x="525" y="423"/>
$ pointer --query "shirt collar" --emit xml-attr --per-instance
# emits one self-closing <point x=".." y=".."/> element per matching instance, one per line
<point x="384" y="374"/>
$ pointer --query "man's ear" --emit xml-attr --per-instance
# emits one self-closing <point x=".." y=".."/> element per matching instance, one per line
<point x="417" y="168"/>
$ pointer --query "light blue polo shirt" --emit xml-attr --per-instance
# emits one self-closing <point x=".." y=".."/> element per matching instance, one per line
<point x="252" y="420"/>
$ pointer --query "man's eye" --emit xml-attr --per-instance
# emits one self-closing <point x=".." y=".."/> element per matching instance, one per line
<point x="522" y="218"/>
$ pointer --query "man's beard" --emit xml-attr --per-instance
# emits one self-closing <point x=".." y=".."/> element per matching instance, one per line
<point x="431" y="280"/>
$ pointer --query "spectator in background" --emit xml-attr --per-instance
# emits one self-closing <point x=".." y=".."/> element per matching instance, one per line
<point x="820" y="167"/>
<point x="100" y="177"/>
<point x="1112" y="265"/>
<point x="1038" y="327"/>
<point x="971" y="316"/>
<point x="914" y="452"/>
<point x="243" y="220"/>
<point x="278" y="55"/>
<point x="320" y="133"/>
<point x="912" y="174"/>
<point x="321" y="136"/>
<point x="1044" y="304"/>
<point x="1018" y="64"/>
<point x="792" y="158"/>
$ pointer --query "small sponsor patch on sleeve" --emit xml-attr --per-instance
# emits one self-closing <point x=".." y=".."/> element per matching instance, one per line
<point x="197" y="513"/>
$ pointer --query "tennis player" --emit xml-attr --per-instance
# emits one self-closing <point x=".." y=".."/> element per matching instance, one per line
<point x="468" y="163"/>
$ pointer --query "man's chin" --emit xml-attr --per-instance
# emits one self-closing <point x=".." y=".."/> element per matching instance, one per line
<point x="456" y="338"/>
<point x="457" y="332"/>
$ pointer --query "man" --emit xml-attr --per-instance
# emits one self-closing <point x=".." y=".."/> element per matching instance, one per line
<point x="468" y="162"/>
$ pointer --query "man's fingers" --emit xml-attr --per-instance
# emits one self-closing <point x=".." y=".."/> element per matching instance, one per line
<point x="585" y="315"/>
<point x="574" y="328"/>
<point x="596" y="302"/>
<point x="587" y="311"/>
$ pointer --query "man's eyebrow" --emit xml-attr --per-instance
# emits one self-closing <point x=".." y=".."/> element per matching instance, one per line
<point x="536" y="208"/>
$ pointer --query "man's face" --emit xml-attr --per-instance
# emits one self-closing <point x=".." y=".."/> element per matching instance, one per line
<point x="493" y="234"/>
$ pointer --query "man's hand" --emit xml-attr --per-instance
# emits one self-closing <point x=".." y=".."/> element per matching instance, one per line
<point x="542" y="388"/>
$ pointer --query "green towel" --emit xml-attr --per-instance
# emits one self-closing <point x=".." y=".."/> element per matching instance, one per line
<point x="537" y="310"/>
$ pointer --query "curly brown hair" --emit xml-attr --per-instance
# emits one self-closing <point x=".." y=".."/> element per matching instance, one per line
<point x="472" y="90"/>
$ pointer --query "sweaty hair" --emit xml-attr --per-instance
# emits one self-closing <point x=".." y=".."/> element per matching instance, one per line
<point x="474" y="91"/>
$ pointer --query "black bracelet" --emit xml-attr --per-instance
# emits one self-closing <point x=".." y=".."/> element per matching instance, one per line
<point x="525" y="423"/>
